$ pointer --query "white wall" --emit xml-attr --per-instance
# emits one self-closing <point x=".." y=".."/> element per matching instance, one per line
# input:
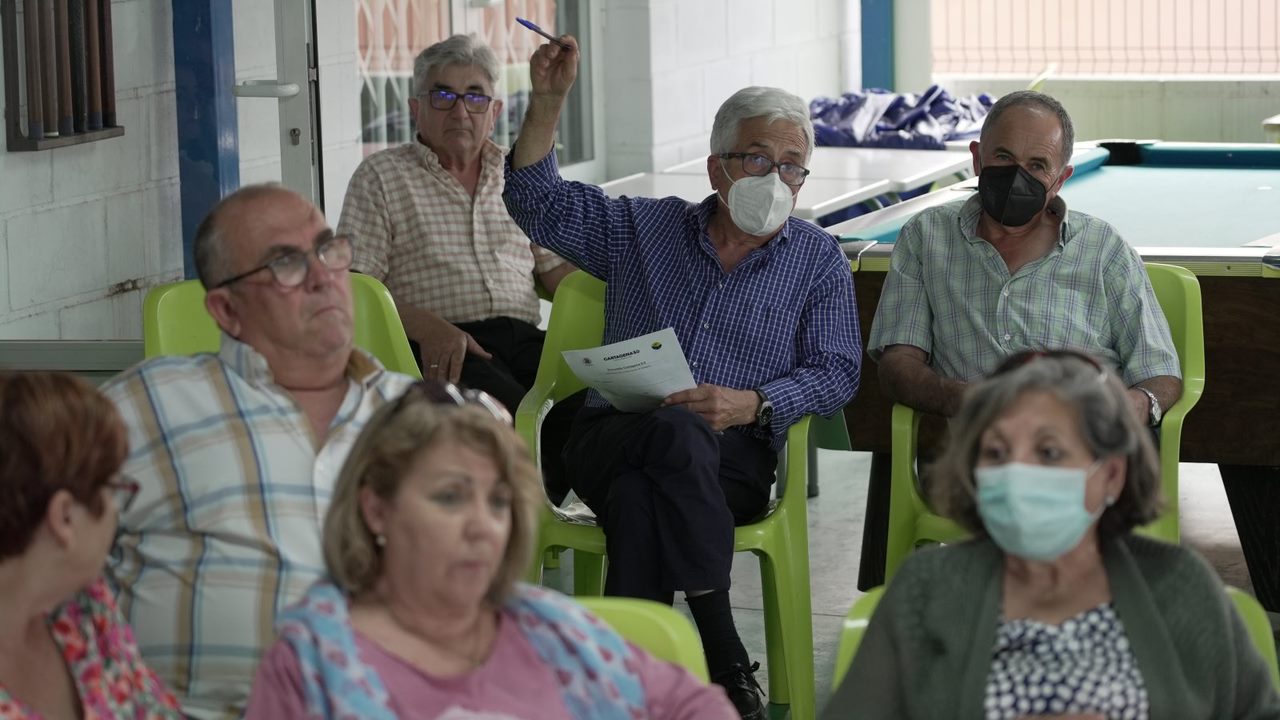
<point x="670" y="63"/>
<point x="1199" y="110"/>
<point x="82" y="226"/>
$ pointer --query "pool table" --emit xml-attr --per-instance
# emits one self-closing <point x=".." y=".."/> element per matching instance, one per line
<point x="1212" y="208"/>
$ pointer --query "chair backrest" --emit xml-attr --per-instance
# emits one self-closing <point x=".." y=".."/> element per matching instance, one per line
<point x="1178" y="293"/>
<point x="175" y="322"/>
<point x="855" y="624"/>
<point x="576" y="323"/>
<point x="1259" y="627"/>
<point x="658" y="629"/>
<point x="911" y="521"/>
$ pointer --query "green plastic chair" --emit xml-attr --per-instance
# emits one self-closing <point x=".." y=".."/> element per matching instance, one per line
<point x="855" y="624"/>
<point x="175" y="322"/>
<point x="780" y="540"/>
<point x="656" y="628"/>
<point x="912" y="524"/>
<point x="1259" y="627"/>
<point x="1251" y="612"/>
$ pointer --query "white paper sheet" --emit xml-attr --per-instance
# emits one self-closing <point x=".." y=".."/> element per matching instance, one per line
<point x="634" y="375"/>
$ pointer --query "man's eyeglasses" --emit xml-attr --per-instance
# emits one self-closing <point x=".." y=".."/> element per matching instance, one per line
<point x="123" y="491"/>
<point x="443" y="393"/>
<point x="759" y="165"/>
<point x="290" y="269"/>
<point x="446" y="99"/>
<point x="1025" y="357"/>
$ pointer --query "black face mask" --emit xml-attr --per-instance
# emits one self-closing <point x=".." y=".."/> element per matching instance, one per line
<point x="1010" y="195"/>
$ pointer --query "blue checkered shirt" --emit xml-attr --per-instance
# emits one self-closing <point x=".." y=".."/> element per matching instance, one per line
<point x="783" y="321"/>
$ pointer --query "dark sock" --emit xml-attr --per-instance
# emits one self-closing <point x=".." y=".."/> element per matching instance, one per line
<point x="714" y="618"/>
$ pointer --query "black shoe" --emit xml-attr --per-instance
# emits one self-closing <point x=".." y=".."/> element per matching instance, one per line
<point x="739" y="683"/>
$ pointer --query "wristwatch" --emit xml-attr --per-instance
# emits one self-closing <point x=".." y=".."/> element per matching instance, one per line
<point x="1155" y="413"/>
<point x="765" y="414"/>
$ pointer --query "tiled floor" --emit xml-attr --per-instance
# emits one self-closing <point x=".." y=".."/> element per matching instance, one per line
<point x="835" y="536"/>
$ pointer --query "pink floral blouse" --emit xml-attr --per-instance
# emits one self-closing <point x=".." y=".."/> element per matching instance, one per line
<point x="100" y="652"/>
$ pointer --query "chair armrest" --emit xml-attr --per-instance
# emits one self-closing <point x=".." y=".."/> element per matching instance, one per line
<point x="796" y="462"/>
<point x="532" y="411"/>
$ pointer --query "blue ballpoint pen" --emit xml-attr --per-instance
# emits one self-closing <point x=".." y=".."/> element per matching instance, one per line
<point x="542" y="32"/>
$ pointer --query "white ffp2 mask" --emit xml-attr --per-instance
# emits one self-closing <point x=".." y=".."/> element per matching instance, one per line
<point x="759" y="204"/>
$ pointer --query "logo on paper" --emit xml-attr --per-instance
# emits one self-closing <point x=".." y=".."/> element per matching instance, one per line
<point x="657" y="345"/>
<point x="586" y="361"/>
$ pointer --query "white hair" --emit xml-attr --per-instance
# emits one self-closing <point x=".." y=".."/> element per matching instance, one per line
<point x="456" y="50"/>
<point x="770" y="103"/>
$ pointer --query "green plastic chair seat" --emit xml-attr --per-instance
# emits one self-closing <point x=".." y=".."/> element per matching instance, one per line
<point x="780" y="540"/>
<point x="656" y="628"/>
<point x="175" y="322"/>
<point x="912" y="524"/>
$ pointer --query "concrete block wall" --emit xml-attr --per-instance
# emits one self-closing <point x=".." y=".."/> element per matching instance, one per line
<point x="84" y="229"/>
<point x="670" y="63"/>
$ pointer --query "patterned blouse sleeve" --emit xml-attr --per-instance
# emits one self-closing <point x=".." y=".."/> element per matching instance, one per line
<point x="150" y="697"/>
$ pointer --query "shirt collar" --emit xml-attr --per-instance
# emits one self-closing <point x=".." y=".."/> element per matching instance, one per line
<point x="971" y="213"/>
<point x="249" y="364"/>
<point x="491" y="154"/>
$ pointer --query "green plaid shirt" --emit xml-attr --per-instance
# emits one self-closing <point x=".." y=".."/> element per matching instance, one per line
<point x="950" y="294"/>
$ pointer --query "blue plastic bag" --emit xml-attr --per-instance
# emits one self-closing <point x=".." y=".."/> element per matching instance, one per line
<point x="879" y="118"/>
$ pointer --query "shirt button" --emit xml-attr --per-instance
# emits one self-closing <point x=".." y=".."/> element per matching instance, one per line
<point x="693" y="364"/>
<point x="706" y="326"/>
<point x="1007" y="336"/>
<point x="1005" y="293"/>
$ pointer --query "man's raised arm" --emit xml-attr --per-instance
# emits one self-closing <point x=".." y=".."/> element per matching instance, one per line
<point x="552" y="70"/>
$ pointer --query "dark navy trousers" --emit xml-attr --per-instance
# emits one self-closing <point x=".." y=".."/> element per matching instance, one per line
<point x="668" y="492"/>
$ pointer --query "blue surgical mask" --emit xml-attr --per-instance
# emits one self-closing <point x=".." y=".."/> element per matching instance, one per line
<point x="1035" y="512"/>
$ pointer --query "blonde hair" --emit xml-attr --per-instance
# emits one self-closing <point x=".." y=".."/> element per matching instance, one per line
<point x="389" y="445"/>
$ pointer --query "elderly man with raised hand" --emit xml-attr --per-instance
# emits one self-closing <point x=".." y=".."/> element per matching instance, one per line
<point x="236" y="453"/>
<point x="764" y="308"/>
<point x="429" y="222"/>
<point x="1010" y="269"/>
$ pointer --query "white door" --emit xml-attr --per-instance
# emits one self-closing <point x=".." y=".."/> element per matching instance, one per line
<point x="276" y="87"/>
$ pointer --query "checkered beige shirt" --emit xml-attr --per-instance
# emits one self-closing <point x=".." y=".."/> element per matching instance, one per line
<point x="416" y="229"/>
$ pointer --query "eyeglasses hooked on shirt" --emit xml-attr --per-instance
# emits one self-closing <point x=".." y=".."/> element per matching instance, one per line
<point x="759" y="165"/>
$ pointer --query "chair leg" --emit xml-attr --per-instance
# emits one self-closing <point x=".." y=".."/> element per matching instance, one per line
<point x="774" y="637"/>
<point x="788" y="583"/>
<point x="588" y="574"/>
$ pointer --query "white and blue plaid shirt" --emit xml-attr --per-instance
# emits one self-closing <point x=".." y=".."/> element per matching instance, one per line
<point x="225" y="531"/>
<point x="784" y="320"/>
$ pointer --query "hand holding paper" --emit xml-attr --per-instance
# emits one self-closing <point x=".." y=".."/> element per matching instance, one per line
<point x="721" y="407"/>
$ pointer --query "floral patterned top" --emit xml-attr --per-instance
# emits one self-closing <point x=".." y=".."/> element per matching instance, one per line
<point x="103" y="658"/>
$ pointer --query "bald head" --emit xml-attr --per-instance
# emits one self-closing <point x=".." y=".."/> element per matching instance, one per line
<point x="215" y="246"/>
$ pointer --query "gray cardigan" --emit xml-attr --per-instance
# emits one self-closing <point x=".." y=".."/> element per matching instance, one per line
<point x="927" y="650"/>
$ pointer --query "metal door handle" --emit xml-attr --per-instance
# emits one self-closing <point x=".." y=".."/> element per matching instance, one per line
<point x="265" y="89"/>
